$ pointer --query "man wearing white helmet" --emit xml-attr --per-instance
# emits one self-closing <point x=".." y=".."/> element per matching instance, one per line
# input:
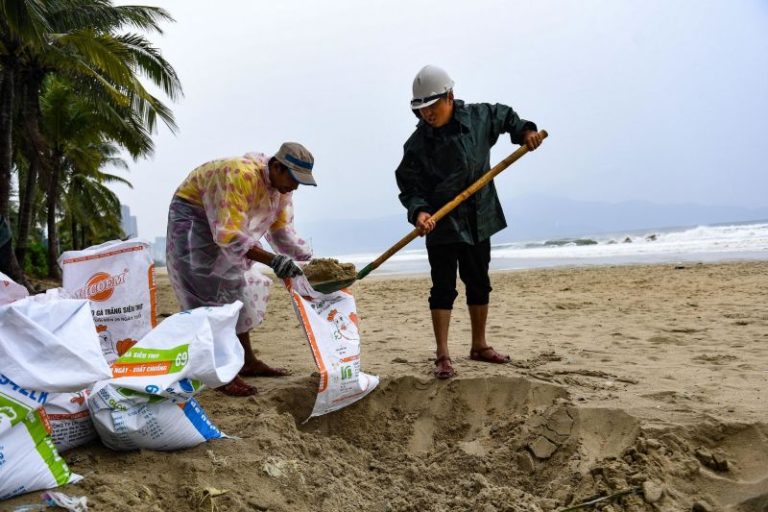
<point x="448" y="151"/>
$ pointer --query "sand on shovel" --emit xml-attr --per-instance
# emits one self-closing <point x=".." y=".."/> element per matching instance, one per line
<point x="321" y="270"/>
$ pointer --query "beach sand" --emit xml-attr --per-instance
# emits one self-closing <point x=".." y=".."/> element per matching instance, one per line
<point x="623" y="377"/>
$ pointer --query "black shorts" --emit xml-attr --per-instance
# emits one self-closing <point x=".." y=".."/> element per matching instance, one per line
<point x="472" y="262"/>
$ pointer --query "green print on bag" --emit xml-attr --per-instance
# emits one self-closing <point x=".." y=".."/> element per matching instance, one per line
<point x="11" y="412"/>
<point x="139" y="362"/>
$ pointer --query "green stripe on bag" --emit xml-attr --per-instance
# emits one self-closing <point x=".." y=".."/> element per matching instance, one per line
<point x="13" y="410"/>
<point x="178" y="356"/>
<point x="46" y="449"/>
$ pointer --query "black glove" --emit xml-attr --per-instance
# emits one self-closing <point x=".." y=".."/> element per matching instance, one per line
<point x="284" y="267"/>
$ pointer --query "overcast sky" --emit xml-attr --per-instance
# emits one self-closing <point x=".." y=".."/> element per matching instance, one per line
<point x="658" y="100"/>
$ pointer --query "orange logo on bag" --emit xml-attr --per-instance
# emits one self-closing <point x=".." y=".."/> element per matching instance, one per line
<point x="124" y="346"/>
<point x="101" y="286"/>
<point x="79" y="398"/>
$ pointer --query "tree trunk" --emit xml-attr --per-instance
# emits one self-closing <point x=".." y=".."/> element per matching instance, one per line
<point x="51" y="202"/>
<point x="7" y="80"/>
<point x="6" y="140"/>
<point x="43" y="165"/>
<point x="55" y="172"/>
<point x="34" y="148"/>
<point x="26" y="200"/>
<point x="73" y="234"/>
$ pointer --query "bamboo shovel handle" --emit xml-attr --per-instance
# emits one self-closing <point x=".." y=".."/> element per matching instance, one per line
<point x="482" y="181"/>
<point x="449" y="206"/>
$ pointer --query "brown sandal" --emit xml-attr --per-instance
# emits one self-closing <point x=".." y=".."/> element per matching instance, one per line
<point x="489" y="355"/>
<point x="443" y="368"/>
<point x="238" y="387"/>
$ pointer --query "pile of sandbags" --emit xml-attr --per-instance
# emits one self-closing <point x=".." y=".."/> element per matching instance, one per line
<point x="84" y="361"/>
<point x="47" y="345"/>
<point x="149" y="401"/>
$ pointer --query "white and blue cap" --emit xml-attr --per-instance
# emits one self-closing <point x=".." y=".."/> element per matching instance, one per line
<point x="299" y="162"/>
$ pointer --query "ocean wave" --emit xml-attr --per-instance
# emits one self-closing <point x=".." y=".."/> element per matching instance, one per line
<point x="659" y="244"/>
<point x="564" y="242"/>
<point x="735" y="238"/>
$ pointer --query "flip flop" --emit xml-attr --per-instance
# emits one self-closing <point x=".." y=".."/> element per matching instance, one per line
<point x="489" y="355"/>
<point x="443" y="368"/>
<point x="238" y="387"/>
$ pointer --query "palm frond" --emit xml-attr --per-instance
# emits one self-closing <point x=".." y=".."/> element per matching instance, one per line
<point x="103" y="16"/>
<point x="150" y="63"/>
<point x="22" y="21"/>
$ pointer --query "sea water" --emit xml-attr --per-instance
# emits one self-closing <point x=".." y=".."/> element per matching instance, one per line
<point x="708" y="243"/>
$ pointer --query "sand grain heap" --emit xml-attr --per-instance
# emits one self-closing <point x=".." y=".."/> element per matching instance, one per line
<point x="328" y="269"/>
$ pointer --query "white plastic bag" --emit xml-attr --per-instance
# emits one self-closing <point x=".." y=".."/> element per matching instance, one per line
<point x="50" y="344"/>
<point x="47" y="344"/>
<point x="10" y="291"/>
<point x="118" y="278"/>
<point x="70" y="420"/>
<point x="29" y="460"/>
<point x="148" y="403"/>
<point x="17" y="402"/>
<point x="330" y="322"/>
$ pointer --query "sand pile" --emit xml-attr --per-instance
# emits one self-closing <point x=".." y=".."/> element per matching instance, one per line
<point x="328" y="269"/>
<point x="480" y="444"/>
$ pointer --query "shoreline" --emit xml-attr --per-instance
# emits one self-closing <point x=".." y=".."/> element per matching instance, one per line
<point x="498" y="265"/>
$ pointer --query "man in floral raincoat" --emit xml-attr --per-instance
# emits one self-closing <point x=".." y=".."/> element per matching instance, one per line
<point x="215" y="221"/>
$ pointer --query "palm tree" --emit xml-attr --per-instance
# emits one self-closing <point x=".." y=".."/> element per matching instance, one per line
<point x="22" y="22"/>
<point x="80" y="140"/>
<point x="91" y="210"/>
<point x="104" y="68"/>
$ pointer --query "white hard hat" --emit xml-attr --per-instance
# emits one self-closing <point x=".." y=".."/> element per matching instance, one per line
<point x="430" y="84"/>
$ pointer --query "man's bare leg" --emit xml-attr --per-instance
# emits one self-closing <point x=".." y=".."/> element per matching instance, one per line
<point x="481" y="351"/>
<point x="441" y="321"/>
<point x="238" y="387"/>
<point x="478" y="317"/>
<point x="254" y="367"/>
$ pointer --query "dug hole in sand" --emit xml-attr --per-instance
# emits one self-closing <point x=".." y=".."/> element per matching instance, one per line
<point x="489" y="444"/>
<point x="514" y="444"/>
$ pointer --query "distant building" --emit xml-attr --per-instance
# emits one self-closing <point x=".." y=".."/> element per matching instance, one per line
<point x="128" y="222"/>
<point x="158" y="251"/>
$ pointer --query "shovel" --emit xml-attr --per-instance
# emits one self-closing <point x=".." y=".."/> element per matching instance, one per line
<point x="334" y="286"/>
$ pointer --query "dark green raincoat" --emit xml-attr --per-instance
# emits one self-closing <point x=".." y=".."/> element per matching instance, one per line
<point x="438" y="164"/>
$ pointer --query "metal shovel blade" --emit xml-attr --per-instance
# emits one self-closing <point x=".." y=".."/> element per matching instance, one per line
<point x="340" y="284"/>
